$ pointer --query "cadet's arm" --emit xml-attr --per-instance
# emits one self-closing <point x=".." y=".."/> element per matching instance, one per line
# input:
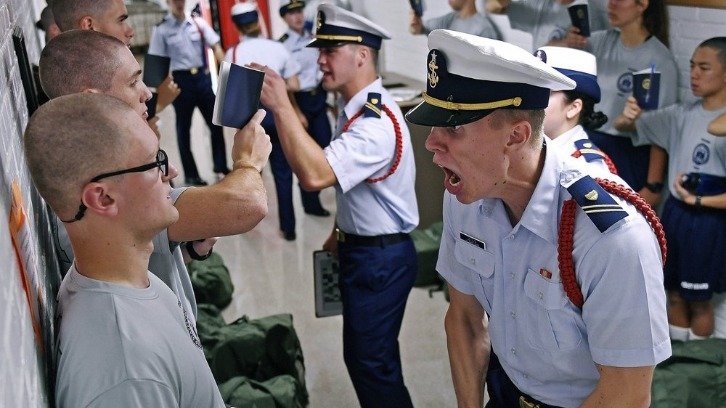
<point x="306" y="158"/>
<point x="218" y="53"/>
<point x="238" y="202"/>
<point x="621" y="387"/>
<point x="468" y="344"/>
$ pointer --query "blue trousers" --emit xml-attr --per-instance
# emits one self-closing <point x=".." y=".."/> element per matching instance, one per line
<point x="282" y="173"/>
<point x="375" y="282"/>
<point x="502" y="391"/>
<point x="196" y="92"/>
<point x="631" y="161"/>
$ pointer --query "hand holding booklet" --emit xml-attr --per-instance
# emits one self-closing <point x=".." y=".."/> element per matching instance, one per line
<point x="238" y="95"/>
<point x="579" y="17"/>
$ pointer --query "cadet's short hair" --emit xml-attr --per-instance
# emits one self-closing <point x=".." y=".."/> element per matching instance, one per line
<point x="535" y="117"/>
<point x="718" y="44"/>
<point x="71" y="139"/>
<point x="77" y="60"/>
<point x="68" y="13"/>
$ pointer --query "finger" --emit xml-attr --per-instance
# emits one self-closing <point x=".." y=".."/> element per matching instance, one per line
<point x="258" y="117"/>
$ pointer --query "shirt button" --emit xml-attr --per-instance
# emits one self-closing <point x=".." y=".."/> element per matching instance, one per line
<point x="540" y="295"/>
<point x="511" y="275"/>
<point x="525" y="376"/>
<point x="472" y="261"/>
<point x="514" y="351"/>
<point x="511" y="237"/>
<point x="514" y="315"/>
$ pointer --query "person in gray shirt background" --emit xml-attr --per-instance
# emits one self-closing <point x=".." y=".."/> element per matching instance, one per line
<point x="464" y="18"/>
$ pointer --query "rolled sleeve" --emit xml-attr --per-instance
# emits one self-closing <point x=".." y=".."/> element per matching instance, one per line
<point x="157" y="45"/>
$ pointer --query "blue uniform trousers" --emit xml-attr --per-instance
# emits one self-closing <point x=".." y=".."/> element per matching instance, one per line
<point x="315" y="109"/>
<point x="631" y="161"/>
<point x="282" y="174"/>
<point x="502" y="391"/>
<point x="196" y="92"/>
<point x="375" y="282"/>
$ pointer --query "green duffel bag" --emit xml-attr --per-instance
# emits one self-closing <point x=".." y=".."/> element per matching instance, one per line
<point x="211" y="281"/>
<point x="278" y="392"/>
<point x="238" y="350"/>
<point x="283" y="353"/>
<point x="427" y="242"/>
<point x="694" y="376"/>
<point x="209" y="321"/>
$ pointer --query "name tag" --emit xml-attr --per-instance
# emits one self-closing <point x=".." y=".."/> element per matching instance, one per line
<point x="472" y="240"/>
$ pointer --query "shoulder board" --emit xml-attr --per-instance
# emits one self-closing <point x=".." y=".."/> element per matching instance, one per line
<point x="597" y="203"/>
<point x="284" y="37"/>
<point x="587" y="149"/>
<point x="372" y="108"/>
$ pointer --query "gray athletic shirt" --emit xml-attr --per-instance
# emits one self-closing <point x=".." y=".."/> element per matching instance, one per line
<point x="166" y="262"/>
<point x="615" y="66"/>
<point x="124" y="347"/>
<point x="548" y="20"/>
<point x="478" y="24"/>
<point x="682" y="131"/>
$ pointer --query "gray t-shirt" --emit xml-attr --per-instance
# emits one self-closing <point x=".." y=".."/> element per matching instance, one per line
<point x="682" y="131"/>
<point x="124" y="347"/>
<point x="166" y="262"/>
<point x="478" y="24"/>
<point x="615" y="66"/>
<point x="548" y="20"/>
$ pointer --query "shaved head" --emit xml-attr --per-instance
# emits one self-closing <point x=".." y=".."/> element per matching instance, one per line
<point x="68" y="13"/>
<point x="73" y="138"/>
<point x="78" y="60"/>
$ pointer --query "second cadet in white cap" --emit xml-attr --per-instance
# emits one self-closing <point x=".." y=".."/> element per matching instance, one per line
<point x="569" y="274"/>
<point x="571" y="113"/>
<point x="370" y="164"/>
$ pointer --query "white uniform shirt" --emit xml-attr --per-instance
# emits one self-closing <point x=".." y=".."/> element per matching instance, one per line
<point x="306" y="57"/>
<point x="263" y="51"/>
<point x="366" y="150"/>
<point x="546" y="345"/>
<point x="682" y="131"/>
<point x="566" y="142"/>
<point x="181" y="41"/>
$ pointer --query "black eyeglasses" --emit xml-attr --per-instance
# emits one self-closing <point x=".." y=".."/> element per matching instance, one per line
<point x="162" y="162"/>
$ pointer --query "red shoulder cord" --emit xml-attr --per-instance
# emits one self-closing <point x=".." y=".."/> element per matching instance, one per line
<point x="399" y="143"/>
<point x="608" y="161"/>
<point x="567" y="232"/>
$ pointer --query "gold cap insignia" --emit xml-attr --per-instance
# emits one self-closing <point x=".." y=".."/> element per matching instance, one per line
<point x="433" y="76"/>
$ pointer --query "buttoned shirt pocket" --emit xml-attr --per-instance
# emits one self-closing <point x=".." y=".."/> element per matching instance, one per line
<point x="481" y="263"/>
<point x="551" y="325"/>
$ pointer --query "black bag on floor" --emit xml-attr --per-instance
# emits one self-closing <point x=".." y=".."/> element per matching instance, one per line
<point x="211" y="281"/>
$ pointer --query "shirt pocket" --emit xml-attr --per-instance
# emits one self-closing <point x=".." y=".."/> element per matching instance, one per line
<point x="481" y="263"/>
<point x="551" y="325"/>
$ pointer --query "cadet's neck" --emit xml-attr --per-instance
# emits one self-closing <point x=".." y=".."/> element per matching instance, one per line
<point x="522" y="179"/>
<point x="111" y="257"/>
<point x="362" y="80"/>
<point x="468" y="9"/>
<point x="633" y="34"/>
<point x="715" y="101"/>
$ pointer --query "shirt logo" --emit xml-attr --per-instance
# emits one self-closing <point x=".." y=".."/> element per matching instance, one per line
<point x="433" y="76"/>
<point x="701" y="153"/>
<point x="625" y="82"/>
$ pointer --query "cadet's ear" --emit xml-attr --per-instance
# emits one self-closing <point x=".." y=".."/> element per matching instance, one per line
<point x="86" y="23"/>
<point x="574" y="109"/>
<point x="95" y="197"/>
<point x="521" y="132"/>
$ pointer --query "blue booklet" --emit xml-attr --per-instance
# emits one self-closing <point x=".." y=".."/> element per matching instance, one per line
<point x="156" y="69"/>
<point x="238" y="95"/>
<point x="646" y="87"/>
<point x="580" y="17"/>
<point x="417" y="6"/>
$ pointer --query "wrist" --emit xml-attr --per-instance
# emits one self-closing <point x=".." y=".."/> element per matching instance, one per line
<point x="697" y="201"/>
<point x="654" y="187"/>
<point x="240" y="165"/>
<point x="193" y="253"/>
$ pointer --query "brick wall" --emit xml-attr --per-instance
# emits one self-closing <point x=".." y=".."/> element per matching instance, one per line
<point x="24" y="352"/>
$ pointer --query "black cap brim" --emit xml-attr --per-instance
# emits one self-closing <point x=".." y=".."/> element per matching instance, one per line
<point x="425" y="114"/>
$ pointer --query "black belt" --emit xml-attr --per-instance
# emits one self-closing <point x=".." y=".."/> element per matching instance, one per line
<point x="311" y="92"/>
<point x="378" y="240"/>
<point x="192" y="71"/>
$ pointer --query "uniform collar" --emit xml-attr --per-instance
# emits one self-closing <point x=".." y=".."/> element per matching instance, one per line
<point x="187" y="18"/>
<point x="566" y="139"/>
<point x="360" y="98"/>
<point x="542" y="212"/>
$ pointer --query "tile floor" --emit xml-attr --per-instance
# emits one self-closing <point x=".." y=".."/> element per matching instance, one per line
<point x="272" y="276"/>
